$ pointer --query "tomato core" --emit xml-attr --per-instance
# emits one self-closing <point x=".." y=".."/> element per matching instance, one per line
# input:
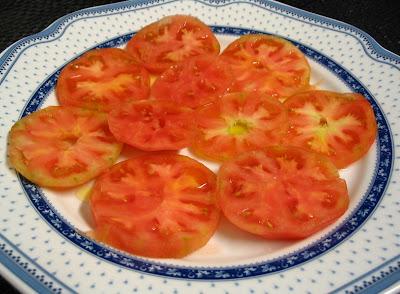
<point x="239" y="127"/>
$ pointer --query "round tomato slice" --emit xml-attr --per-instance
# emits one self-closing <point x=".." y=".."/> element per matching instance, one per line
<point x="341" y="126"/>
<point x="102" y="79"/>
<point x="62" y="146"/>
<point x="171" y="40"/>
<point x="157" y="205"/>
<point x="236" y="123"/>
<point x="267" y="64"/>
<point x="281" y="192"/>
<point x="194" y="82"/>
<point x="152" y="125"/>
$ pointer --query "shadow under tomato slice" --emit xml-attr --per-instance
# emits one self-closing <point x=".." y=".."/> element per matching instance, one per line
<point x="281" y="192"/>
<point x="156" y="205"/>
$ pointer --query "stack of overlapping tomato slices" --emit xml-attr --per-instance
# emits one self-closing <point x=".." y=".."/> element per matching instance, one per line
<point x="251" y="108"/>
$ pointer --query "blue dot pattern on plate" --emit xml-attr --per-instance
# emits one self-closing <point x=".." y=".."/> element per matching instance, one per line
<point x="368" y="204"/>
<point x="356" y="52"/>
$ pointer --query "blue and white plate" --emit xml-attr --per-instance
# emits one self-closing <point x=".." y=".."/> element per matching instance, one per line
<point x="42" y="242"/>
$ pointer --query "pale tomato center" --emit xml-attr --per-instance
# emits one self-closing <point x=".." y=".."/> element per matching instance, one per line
<point x="99" y="89"/>
<point x="239" y="127"/>
<point x="322" y="126"/>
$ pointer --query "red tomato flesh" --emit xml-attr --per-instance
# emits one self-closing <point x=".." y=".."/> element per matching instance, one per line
<point x="194" y="82"/>
<point x="267" y="64"/>
<point x="341" y="126"/>
<point x="156" y="205"/>
<point x="102" y="79"/>
<point x="171" y="40"/>
<point x="152" y="125"/>
<point x="236" y="123"/>
<point x="281" y="192"/>
<point x="62" y="146"/>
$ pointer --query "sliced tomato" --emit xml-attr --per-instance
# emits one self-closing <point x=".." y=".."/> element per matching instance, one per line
<point x="267" y="64"/>
<point x="102" y="79"/>
<point x="341" y="126"/>
<point x="156" y="205"/>
<point x="171" y="40"/>
<point x="236" y="123"/>
<point x="62" y="146"/>
<point x="194" y="82"/>
<point x="281" y="192"/>
<point x="152" y="125"/>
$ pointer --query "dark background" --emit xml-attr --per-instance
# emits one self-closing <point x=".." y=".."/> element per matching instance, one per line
<point x="20" y="18"/>
<point x="380" y="19"/>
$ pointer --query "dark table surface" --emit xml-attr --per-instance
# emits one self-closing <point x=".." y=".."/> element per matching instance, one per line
<point x="20" y="18"/>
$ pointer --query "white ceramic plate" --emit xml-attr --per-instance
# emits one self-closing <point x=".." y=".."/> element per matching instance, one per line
<point x="41" y="244"/>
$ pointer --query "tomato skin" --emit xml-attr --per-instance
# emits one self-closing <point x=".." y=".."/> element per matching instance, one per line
<point x="237" y="123"/>
<point x="194" y="82"/>
<point x="268" y="65"/>
<point x="170" y="40"/>
<point x="152" y="125"/>
<point x="281" y="192"/>
<point x="156" y="205"/>
<point x="102" y="79"/>
<point x="62" y="147"/>
<point x="339" y="125"/>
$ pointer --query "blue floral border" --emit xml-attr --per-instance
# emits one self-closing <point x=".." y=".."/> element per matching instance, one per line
<point x="351" y="224"/>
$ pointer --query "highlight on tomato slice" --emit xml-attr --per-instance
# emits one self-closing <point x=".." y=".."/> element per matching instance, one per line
<point x="102" y="79"/>
<point x="171" y="40"/>
<point x="152" y="125"/>
<point x="62" y="146"/>
<point x="236" y="123"/>
<point x="281" y="192"/>
<point x="194" y="82"/>
<point x="341" y="126"/>
<point x="267" y="64"/>
<point x="156" y="205"/>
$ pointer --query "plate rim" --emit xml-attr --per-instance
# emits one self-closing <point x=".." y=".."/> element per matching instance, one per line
<point x="374" y="48"/>
<point x="370" y="45"/>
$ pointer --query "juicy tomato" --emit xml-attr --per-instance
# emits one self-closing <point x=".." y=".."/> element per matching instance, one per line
<point x="341" y="126"/>
<point x="194" y="82"/>
<point x="156" y="205"/>
<point x="152" y="125"/>
<point x="267" y="64"/>
<point x="62" y="146"/>
<point x="171" y="40"/>
<point x="102" y="79"/>
<point x="281" y="192"/>
<point x="236" y="123"/>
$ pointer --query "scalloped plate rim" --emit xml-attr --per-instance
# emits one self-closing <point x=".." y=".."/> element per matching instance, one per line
<point x="385" y="54"/>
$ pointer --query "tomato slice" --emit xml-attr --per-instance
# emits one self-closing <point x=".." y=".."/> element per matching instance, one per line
<point x="195" y="81"/>
<point x="157" y="205"/>
<point x="152" y="125"/>
<point x="281" y="192"/>
<point x="61" y="146"/>
<point x="102" y="79"/>
<point x="268" y="65"/>
<point x="236" y="123"/>
<point x="341" y="126"/>
<point x="171" y="40"/>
